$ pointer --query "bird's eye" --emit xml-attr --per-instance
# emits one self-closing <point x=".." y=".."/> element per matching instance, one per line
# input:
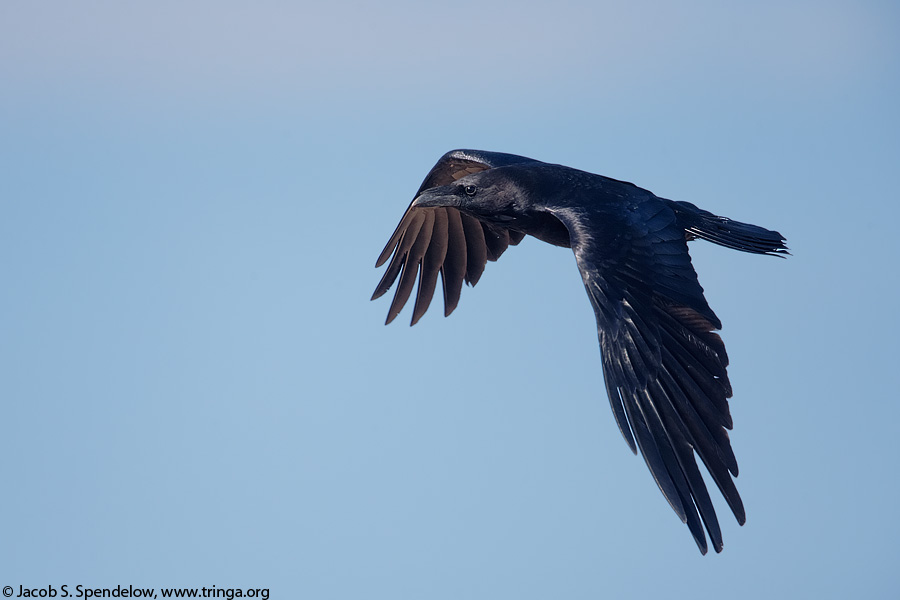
<point x="470" y="190"/>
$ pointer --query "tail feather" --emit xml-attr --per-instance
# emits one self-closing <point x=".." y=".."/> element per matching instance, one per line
<point x="699" y="223"/>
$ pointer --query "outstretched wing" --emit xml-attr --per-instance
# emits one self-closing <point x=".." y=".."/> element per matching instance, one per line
<point x="429" y="241"/>
<point x="664" y="367"/>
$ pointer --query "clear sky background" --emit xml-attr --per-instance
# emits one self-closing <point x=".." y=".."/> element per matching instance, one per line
<point x="196" y="390"/>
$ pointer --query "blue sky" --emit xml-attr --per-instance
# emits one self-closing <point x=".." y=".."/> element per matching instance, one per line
<point x="197" y="391"/>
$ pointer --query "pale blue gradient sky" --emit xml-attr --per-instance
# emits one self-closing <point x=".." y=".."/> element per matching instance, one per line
<point x="196" y="390"/>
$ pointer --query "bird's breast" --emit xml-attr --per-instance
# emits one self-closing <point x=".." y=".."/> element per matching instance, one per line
<point x="545" y="227"/>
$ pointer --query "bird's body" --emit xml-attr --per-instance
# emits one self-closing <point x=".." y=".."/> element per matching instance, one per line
<point x="663" y="365"/>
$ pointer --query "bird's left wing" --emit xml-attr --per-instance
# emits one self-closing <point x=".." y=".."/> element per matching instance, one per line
<point x="429" y="241"/>
<point x="664" y="367"/>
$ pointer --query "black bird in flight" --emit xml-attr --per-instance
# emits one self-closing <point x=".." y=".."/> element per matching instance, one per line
<point x="663" y="364"/>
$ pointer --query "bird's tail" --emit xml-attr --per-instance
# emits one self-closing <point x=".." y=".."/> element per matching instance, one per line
<point x="699" y="223"/>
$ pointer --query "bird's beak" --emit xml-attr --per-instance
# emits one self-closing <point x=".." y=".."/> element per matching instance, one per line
<point x="435" y="198"/>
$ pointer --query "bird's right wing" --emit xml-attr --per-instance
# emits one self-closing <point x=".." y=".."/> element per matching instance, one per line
<point x="664" y="367"/>
<point x="429" y="241"/>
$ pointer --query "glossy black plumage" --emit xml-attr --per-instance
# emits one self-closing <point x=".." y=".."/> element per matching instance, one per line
<point x="663" y="364"/>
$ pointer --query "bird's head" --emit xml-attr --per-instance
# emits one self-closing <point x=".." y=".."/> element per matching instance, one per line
<point x="494" y="196"/>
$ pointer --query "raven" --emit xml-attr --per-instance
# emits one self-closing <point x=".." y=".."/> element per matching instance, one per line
<point x="663" y="365"/>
